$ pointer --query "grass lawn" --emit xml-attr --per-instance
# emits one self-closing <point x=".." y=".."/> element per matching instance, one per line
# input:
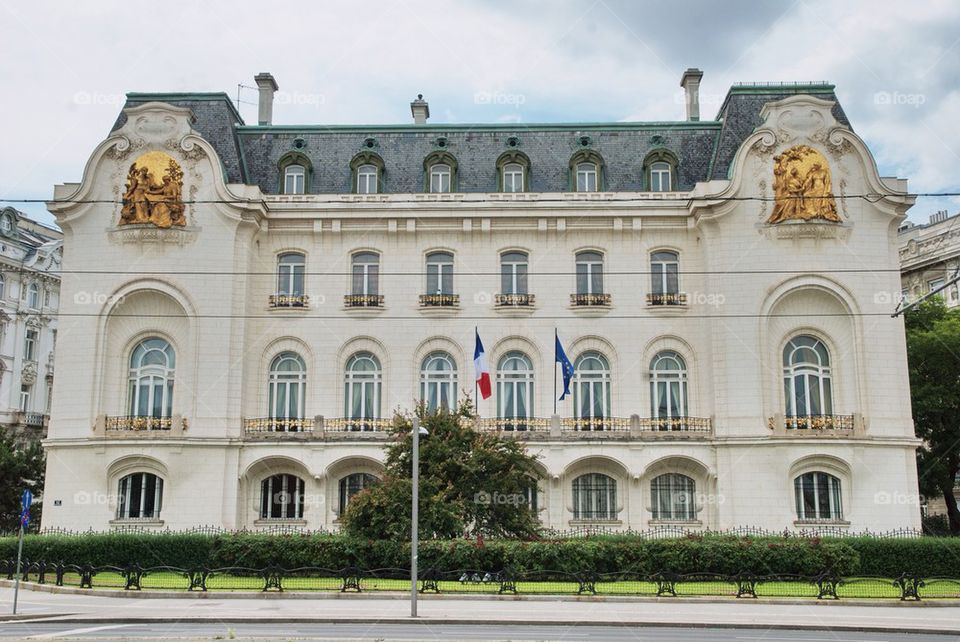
<point x="848" y="588"/>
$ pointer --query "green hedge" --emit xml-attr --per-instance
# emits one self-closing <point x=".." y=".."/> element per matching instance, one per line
<point x="926" y="556"/>
<point x="711" y="554"/>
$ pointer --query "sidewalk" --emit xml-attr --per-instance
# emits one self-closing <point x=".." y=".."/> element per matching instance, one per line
<point x="92" y="609"/>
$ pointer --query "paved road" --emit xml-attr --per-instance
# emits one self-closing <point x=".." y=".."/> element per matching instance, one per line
<point x="427" y="631"/>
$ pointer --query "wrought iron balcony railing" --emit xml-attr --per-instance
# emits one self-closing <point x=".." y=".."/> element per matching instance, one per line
<point x="518" y="424"/>
<point x="346" y="424"/>
<point x="590" y="299"/>
<point x="32" y="419"/>
<point x="676" y="424"/>
<point x="289" y="300"/>
<point x="137" y="423"/>
<point x="671" y="298"/>
<point x="363" y="300"/>
<point x="274" y="424"/>
<point x="439" y="300"/>
<point x="819" y="422"/>
<point x="587" y="424"/>
<point x="513" y="300"/>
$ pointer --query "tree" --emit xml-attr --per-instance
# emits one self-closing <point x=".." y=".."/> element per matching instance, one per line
<point x="471" y="483"/>
<point x="933" y="348"/>
<point x="21" y="466"/>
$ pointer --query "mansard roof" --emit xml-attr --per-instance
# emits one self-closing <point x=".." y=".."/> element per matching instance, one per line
<point x="704" y="149"/>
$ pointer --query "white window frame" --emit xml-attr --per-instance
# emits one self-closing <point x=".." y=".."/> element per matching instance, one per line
<point x="291" y="274"/>
<point x="289" y="490"/>
<point x="368" y="178"/>
<point x="587" y="176"/>
<point x="150" y="378"/>
<point x="661" y="177"/>
<point x="834" y="496"/>
<point x="519" y="382"/>
<point x="671" y="382"/>
<point x="515" y="272"/>
<point x="594" y="497"/>
<point x="441" y="178"/>
<point x="365" y="273"/>
<point x="294" y="179"/>
<point x="26" y="391"/>
<point x="350" y="485"/>
<point x="813" y="376"/>
<point x="438" y="381"/>
<point x="513" y="177"/>
<point x="439" y="272"/>
<point x="125" y="494"/>
<point x="591" y="385"/>
<point x="673" y="497"/>
<point x="30" y="340"/>
<point x="660" y="263"/>
<point x="589" y="265"/>
<point x="362" y="387"/>
<point x="33" y="296"/>
<point x="287" y="381"/>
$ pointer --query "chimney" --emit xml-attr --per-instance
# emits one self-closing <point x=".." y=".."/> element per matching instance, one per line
<point x="267" y="85"/>
<point x="691" y="87"/>
<point x="420" y="110"/>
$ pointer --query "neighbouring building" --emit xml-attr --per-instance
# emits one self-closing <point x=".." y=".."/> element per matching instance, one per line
<point x="30" y="255"/>
<point x="271" y="293"/>
<point x="929" y="259"/>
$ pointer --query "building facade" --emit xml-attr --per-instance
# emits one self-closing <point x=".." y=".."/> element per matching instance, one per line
<point x="274" y="293"/>
<point x="30" y="255"/>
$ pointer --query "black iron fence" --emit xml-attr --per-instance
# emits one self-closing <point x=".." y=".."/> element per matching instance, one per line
<point x="509" y="581"/>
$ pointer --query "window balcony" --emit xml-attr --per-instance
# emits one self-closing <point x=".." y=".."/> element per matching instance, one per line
<point x="593" y="424"/>
<point x="590" y="300"/>
<point x="346" y="424"/>
<point x="518" y="424"/>
<point x="363" y="301"/>
<point x="439" y="300"/>
<point x="137" y="423"/>
<point x="261" y="425"/>
<point x="513" y="300"/>
<point x="702" y="425"/>
<point x="666" y="298"/>
<point x="32" y="419"/>
<point x="289" y="301"/>
<point x="816" y="425"/>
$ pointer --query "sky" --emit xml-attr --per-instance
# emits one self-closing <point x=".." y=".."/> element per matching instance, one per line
<point x="65" y="67"/>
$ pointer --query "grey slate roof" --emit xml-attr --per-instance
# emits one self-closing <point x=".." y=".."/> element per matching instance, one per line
<point x="704" y="149"/>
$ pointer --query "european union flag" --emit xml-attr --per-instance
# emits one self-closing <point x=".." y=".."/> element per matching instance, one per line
<point x="566" y="367"/>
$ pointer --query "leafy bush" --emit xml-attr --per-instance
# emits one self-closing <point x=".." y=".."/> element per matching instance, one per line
<point x="926" y="556"/>
<point x="116" y="549"/>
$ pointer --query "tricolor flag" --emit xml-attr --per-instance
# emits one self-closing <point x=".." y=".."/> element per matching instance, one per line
<point x="480" y="365"/>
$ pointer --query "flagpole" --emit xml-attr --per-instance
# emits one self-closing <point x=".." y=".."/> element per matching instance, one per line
<point x="476" y="377"/>
<point x="556" y="337"/>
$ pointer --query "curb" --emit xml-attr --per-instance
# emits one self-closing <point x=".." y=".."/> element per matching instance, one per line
<point x="669" y="624"/>
<point x="395" y="595"/>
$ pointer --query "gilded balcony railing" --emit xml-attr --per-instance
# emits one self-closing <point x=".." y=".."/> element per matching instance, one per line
<point x="587" y="424"/>
<point x="519" y="424"/>
<point x="363" y="300"/>
<point x="439" y="300"/>
<point x="134" y="422"/>
<point x="676" y="424"/>
<point x="289" y="300"/>
<point x="346" y="424"/>
<point x="819" y="422"/>
<point x="590" y="299"/>
<point x="672" y="298"/>
<point x="273" y="424"/>
<point x="517" y="300"/>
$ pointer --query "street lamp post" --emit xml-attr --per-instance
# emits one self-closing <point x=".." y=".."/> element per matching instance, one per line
<point x="415" y="516"/>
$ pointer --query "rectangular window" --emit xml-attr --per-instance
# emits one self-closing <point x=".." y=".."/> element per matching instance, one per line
<point x="439" y="278"/>
<point x="586" y="177"/>
<point x="25" y="390"/>
<point x="935" y="283"/>
<point x="440" y="179"/>
<point x="30" y="345"/>
<point x="513" y="275"/>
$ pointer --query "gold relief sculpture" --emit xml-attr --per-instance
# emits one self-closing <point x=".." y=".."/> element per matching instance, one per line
<point x="148" y="199"/>
<point x="802" y="188"/>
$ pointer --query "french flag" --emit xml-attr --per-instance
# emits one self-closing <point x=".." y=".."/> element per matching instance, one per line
<point x="480" y="365"/>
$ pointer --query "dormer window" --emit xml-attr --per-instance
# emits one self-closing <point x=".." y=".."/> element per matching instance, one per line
<point x="586" y="172"/>
<point x="660" y="179"/>
<point x="366" y="179"/>
<point x="440" y="178"/>
<point x="586" y="177"/>
<point x="366" y="169"/>
<point x="660" y="171"/>
<point x="441" y="173"/>
<point x="294" y="179"/>
<point x="513" y="168"/>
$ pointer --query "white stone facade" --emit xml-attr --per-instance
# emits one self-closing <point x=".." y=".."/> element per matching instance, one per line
<point x="750" y="288"/>
<point x="30" y="255"/>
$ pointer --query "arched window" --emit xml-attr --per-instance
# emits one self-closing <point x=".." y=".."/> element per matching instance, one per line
<point x="362" y="383"/>
<point x="290" y="271"/>
<point x="294" y="179"/>
<point x="287" y="387"/>
<point x="665" y="277"/>
<point x="659" y="171"/>
<point x="140" y="496"/>
<point x="531" y="494"/>
<point x="439" y="273"/>
<point x="367" y="173"/>
<point x="366" y="274"/>
<point x="668" y="388"/>
<point x="591" y="387"/>
<point x="512" y="170"/>
<point x="281" y="497"/>
<point x="152" y="365"/>
<point x="589" y="273"/>
<point x="818" y="496"/>
<point x="350" y="486"/>
<point x="515" y="389"/>
<point x="673" y="496"/>
<point x="33" y="296"/>
<point x="440" y="169"/>
<point x="513" y="272"/>
<point x="586" y="172"/>
<point x="438" y="381"/>
<point x="806" y="377"/>
<point x="594" y="497"/>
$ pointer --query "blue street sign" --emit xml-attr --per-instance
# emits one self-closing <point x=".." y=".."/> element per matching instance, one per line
<point x="25" y="507"/>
